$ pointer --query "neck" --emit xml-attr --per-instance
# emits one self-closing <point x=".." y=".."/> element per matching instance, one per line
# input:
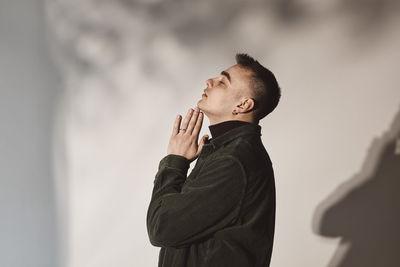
<point x="214" y="121"/>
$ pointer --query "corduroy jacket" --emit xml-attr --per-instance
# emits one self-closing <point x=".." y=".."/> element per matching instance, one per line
<point x="223" y="213"/>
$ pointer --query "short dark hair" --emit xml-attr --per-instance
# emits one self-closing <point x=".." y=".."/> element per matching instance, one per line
<point x="263" y="84"/>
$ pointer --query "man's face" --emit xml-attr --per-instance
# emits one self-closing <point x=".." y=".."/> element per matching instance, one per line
<point x="225" y="92"/>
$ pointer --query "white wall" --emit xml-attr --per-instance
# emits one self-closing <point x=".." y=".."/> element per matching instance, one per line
<point x="129" y="67"/>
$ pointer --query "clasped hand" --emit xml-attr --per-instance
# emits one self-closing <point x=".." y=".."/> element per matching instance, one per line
<point x="184" y="142"/>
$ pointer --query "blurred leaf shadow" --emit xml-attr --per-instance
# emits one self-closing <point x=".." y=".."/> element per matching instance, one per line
<point x="364" y="211"/>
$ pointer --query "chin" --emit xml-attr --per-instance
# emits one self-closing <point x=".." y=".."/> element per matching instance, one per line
<point x="199" y="104"/>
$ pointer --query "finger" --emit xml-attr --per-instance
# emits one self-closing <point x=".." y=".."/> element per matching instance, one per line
<point x="186" y="120"/>
<point x="177" y="122"/>
<point x="193" y="120"/>
<point x="198" y="125"/>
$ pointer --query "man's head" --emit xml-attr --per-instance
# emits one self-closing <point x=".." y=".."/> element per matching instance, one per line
<point x="247" y="88"/>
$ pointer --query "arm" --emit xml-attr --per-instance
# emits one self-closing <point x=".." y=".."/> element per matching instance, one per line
<point x="181" y="213"/>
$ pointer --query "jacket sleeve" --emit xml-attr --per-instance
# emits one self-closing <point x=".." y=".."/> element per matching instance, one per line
<point x="182" y="212"/>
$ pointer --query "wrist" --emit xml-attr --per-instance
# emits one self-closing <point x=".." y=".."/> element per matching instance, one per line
<point x="176" y="161"/>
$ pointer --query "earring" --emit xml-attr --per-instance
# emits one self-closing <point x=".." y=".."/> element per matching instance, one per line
<point x="234" y="112"/>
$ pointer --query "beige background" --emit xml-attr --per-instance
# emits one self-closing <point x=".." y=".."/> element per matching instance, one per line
<point x="90" y="89"/>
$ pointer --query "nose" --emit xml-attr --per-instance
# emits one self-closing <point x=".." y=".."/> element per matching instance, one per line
<point x="209" y="83"/>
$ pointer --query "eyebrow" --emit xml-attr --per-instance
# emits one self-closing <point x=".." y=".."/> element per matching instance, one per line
<point x="226" y="74"/>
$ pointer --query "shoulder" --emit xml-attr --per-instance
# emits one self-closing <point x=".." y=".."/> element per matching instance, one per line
<point x="246" y="147"/>
<point x="251" y="154"/>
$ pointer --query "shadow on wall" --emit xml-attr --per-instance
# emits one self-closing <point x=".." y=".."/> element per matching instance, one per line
<point x="364" y="211"/>
<point x="198" y="20"/>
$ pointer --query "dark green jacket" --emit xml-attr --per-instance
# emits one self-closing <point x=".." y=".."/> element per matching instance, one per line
<point x="223" y="213"/>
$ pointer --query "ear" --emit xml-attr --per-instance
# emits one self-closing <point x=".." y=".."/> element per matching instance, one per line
<point x="246" y="105"/>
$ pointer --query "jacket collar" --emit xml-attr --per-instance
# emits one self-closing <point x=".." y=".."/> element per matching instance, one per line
<point x="248" y="129"/>
<point x="222" y="127"/>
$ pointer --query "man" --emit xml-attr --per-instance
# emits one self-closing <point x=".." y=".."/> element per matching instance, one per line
<point x="223" y="213"/>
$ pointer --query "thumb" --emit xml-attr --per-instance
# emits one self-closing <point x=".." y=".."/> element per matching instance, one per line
<point x="202" y="142"/>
